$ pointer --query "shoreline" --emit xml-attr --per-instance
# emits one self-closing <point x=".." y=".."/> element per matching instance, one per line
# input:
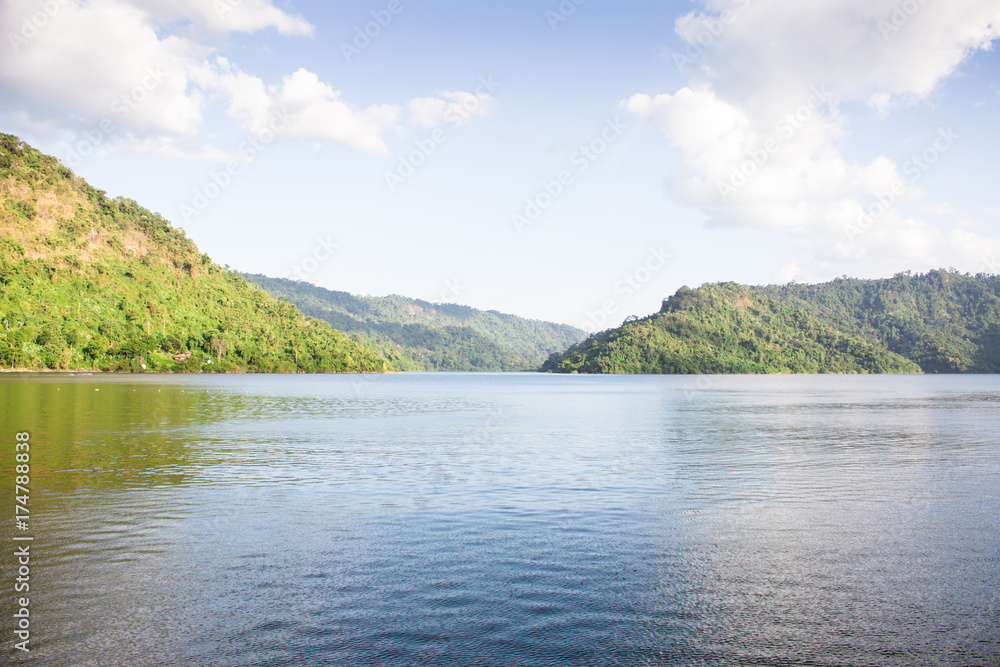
<point x="90" y="371"/>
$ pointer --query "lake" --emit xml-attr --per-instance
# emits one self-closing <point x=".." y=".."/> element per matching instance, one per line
<point x="521" y="519"/>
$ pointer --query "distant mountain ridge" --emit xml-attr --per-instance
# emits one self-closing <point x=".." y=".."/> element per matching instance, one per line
<point x="419" y="335"/>
<point x="943" y="320"/>
<point x="939" y="322"/>
<point x="90" y="282"/>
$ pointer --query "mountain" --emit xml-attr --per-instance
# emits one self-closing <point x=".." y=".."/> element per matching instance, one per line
<point x="728" y="328"/>
<point x="938" y="322"/>
<point x="417" y="335"/>
<point x="89" y="282"/>
<point x="945" y="321"/>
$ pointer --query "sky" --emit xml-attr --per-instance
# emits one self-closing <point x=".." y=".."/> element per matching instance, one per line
<point x="574" y="161"/>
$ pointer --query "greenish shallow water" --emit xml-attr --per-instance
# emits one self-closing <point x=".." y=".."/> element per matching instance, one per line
<point x="481" y="519"/>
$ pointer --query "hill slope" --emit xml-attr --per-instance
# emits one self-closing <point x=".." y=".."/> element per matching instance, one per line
<point x="945" y="321"/>
<point x="727" y="328"/>
<point x="418" y="335"/>
<point x="90" y="282"/>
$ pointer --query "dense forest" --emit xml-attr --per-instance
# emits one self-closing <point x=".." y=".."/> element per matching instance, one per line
<point x="939" y="322"/>
<point x="727" y="328"/>
<point x="944" y="321"/>
<point x="91" y="282"/>
<point x="418" y="335"/>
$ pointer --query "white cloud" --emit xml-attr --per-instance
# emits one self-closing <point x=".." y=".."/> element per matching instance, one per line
<point x="101" y="60"/>
<point x="318" y="111"/>
<point x="221" y="16"/>
<point x="787" y="175"/>
<point x="760" y="130"/>
<point x="771" y="50"/>
<point x="787" y="273"/>
<point x="940" y="209"/>
<point x="456" y="108"/>
<point x="85" y="63"/>
<point x="895" y="243"/>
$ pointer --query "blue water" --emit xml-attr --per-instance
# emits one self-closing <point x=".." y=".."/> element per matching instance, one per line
<point x="465" y="519"/>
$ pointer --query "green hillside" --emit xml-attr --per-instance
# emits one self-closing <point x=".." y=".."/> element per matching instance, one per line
<point x="89" y="282"/>
<point x="944" y="321"/>
<point x="727" y="328"/>
<point x="418" y="335"/>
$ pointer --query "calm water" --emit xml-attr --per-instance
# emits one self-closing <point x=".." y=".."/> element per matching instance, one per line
<point x="452" y="519"/>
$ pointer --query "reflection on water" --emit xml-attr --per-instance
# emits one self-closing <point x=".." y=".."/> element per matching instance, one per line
<point x="451" y="519"/>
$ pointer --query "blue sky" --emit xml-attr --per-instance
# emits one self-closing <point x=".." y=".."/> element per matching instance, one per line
<point x="562" y="161"/>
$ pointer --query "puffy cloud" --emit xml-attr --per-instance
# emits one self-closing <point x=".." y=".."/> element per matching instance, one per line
<point x="760" y="129"/>
<point x="786" y="175"/>
<point x="766" y="52"/>
<point x="81" y="64"/>
<point x="456" y="108"/>
<point x="100" y="60"/>
<point x="317" y="111"/>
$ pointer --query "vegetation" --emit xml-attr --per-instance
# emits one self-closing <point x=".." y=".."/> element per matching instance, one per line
<point x="89" y="282"/>
<point x="945" y="321"/>
<point x="418" y="335"/>
<point x="938" y="322"/>
<point x="727" y="328"/>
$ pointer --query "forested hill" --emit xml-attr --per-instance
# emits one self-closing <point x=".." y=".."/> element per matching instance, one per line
<point x="939" y="322"/>
<point x="945" y="321"/>
<point x="428" y="336"/>
<point x="727" y="328"/>
<point x="89" y="282"/>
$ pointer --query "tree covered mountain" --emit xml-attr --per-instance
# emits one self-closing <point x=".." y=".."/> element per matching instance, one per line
<point x="89" y="282"/>
<point x="418" y="335"/>
<point x="727" y="328"/>
<point x="938" y="322"/>
<point x="944" y="321"/>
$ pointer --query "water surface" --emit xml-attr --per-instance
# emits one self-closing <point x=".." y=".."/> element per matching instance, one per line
<point x="480" y="519"/>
